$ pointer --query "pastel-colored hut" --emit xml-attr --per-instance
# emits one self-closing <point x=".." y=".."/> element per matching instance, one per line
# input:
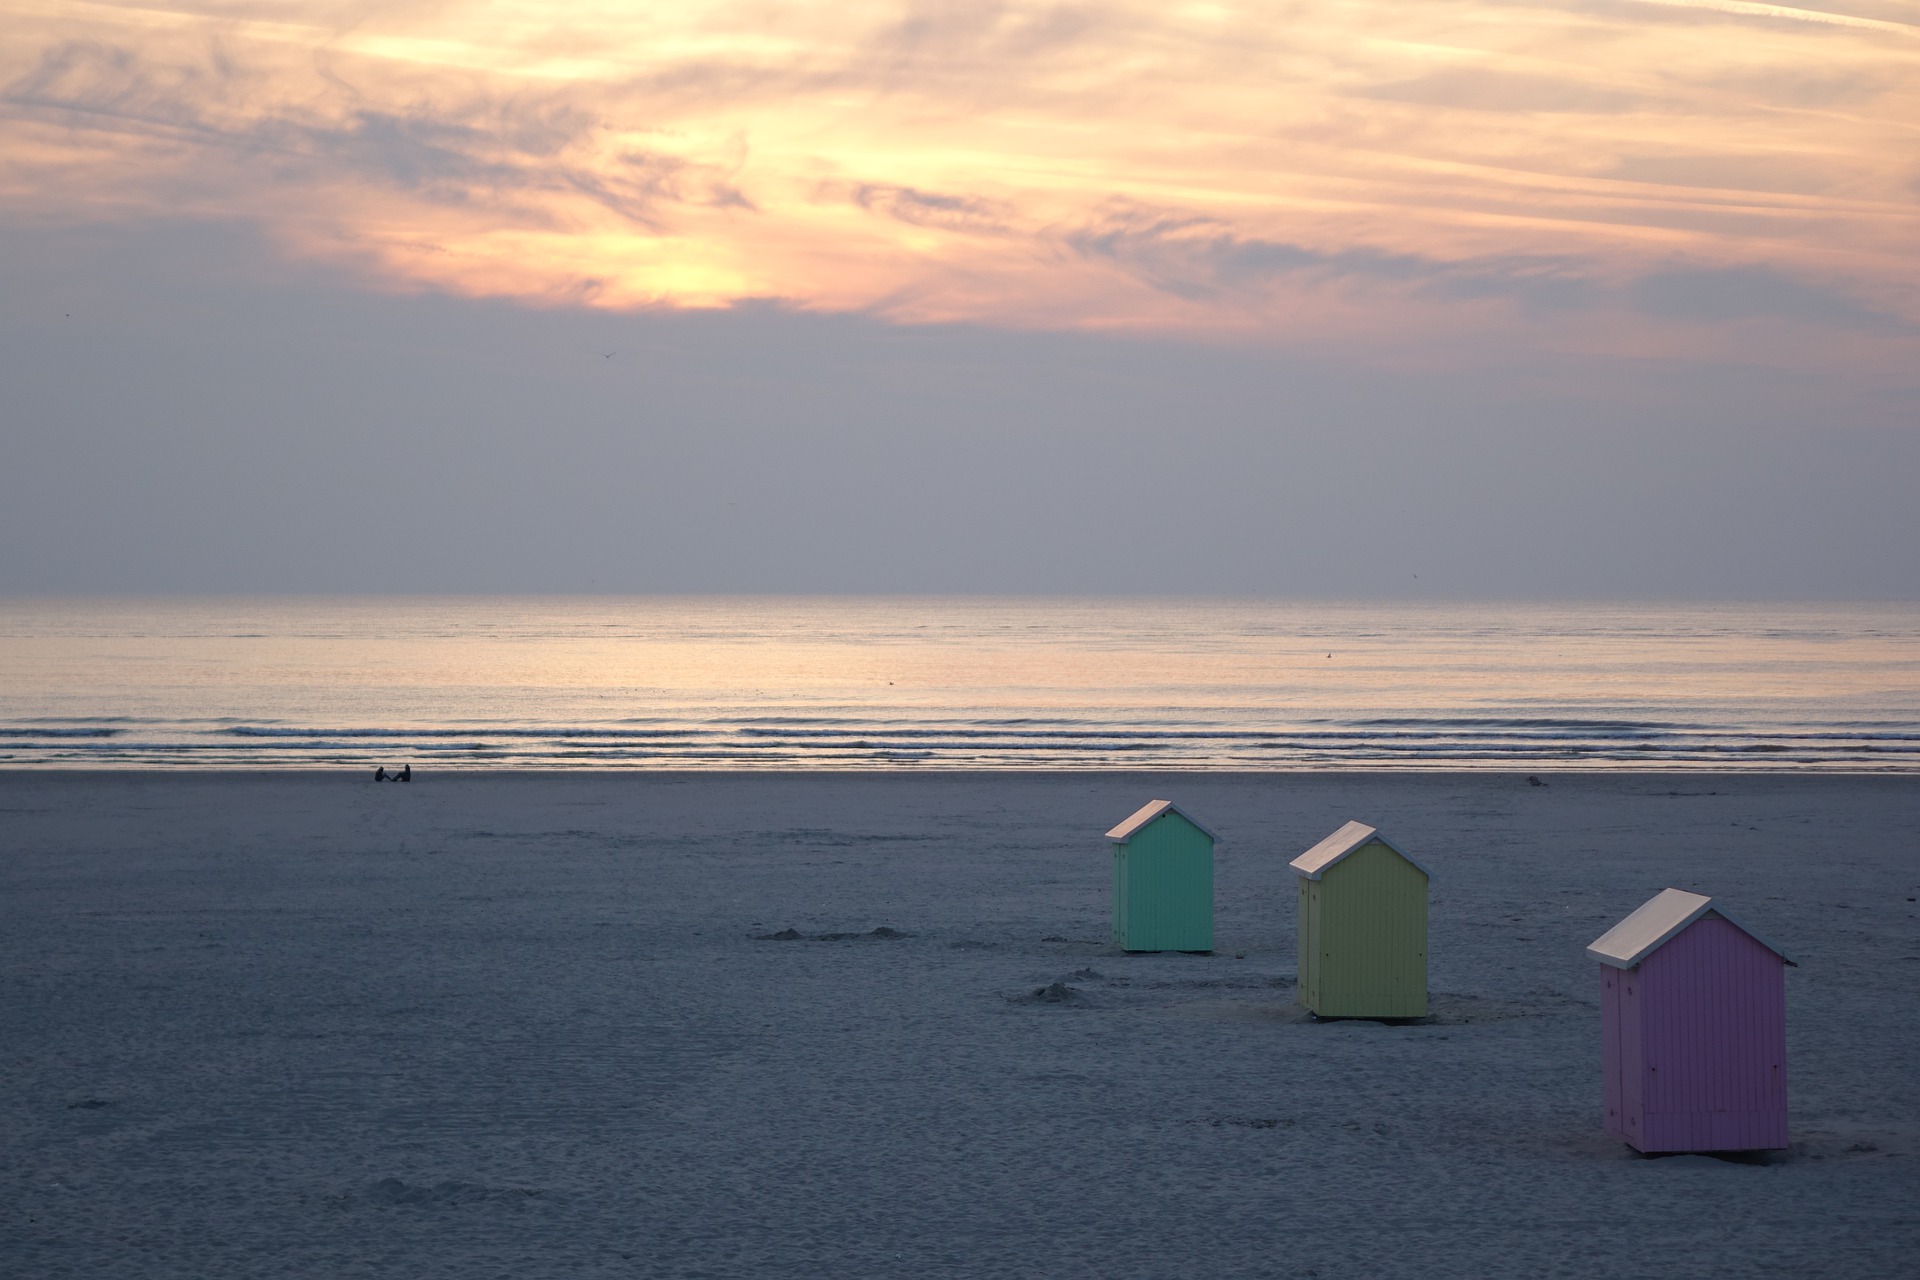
<point x="1693" y="1029"/>
<point x="1162" y="880"/>
<point x="1363" y="927"/>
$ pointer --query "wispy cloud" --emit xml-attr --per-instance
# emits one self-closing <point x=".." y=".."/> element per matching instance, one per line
<point x="1670" y="165"/>
<point x="1791" y="13"/>
<point x="931" y="208"/>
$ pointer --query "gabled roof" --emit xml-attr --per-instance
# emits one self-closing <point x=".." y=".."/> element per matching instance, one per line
<point x="1147" y="813"/>
<point x="1354" y="836"/>
<point x="1657" y="922"/>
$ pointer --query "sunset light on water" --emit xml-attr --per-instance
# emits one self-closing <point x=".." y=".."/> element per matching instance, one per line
<point x="821" y="683"/>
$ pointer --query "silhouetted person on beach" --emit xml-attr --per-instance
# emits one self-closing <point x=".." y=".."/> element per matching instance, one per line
<point x="380" y="774"/>
<point x="405" y="774"/>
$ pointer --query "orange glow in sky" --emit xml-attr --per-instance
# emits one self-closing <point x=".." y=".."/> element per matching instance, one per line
<point x="1613" y="174"/>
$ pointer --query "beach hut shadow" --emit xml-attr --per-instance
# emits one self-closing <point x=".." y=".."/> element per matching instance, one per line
<point x="1443" y="1010"/>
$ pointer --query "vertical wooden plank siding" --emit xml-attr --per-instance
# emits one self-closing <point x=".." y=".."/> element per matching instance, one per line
<point x="1372" y="937"/>
<point x="1610" y="1062"/>
<point x="1120" y="894"/>
<point x="1633" y="1058"/>
<point x="1308" y="992"/>
<point x="1715" y="1042"/>
<point x="1169" y="887"/>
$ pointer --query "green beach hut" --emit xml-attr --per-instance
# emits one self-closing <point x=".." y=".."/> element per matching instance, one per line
<point x="1363" y="927"/>
<point x="1162" y="880"/>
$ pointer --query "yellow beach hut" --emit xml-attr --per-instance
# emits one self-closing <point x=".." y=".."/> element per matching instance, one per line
<point x="1363" y="927"/>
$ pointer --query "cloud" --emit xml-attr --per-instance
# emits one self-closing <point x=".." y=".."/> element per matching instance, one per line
<point x="1485" y="89"/>
<point x="1192" y="257"/>
<point x="1744" y="293"/>
<point x="90" y="84"/>
<point x="472" y="149"/>
<point x="1791" y="13"/>
<point x="931" y="209"/>
<point x="1227" y="167"/>
<point x="1725" y="172"/>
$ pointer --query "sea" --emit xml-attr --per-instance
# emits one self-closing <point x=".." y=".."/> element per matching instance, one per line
<point x="831" y="683"/>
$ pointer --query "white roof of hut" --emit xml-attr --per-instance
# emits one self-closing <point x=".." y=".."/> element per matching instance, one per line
<point x="1354" y="836"/>
<point x="1657" y="922"/>
<point x="1147" y="813"/>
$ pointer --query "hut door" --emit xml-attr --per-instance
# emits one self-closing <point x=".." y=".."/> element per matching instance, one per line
<point x="1612" y="1064"/>
<point x="1312" y="961"/>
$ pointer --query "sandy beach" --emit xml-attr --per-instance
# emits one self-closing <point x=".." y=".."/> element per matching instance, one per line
<point x="544" y="1024"/>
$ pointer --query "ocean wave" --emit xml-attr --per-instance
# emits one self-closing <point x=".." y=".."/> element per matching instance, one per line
<point x="1463" y="739"/>
<point x="1535" y="722"/>
<point x="270" y="731"/>
<point x="7" y="731"/>
<point x="1120" y="746"/>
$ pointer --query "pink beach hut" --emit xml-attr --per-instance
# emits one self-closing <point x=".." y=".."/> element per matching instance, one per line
<point x="1693" y="1029"/>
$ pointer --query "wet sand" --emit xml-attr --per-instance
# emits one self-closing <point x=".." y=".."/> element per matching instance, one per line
<point x="546" y="1024"/>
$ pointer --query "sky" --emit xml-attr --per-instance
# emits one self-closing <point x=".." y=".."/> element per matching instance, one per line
<point x="1465" y="298"/>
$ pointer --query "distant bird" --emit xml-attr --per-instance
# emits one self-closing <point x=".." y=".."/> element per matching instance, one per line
<point x="1329" y="655"/>
<point x="608" y="355"/>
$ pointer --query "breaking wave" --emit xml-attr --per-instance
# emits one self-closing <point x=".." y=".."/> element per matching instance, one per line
<point x="825" y="743"/>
